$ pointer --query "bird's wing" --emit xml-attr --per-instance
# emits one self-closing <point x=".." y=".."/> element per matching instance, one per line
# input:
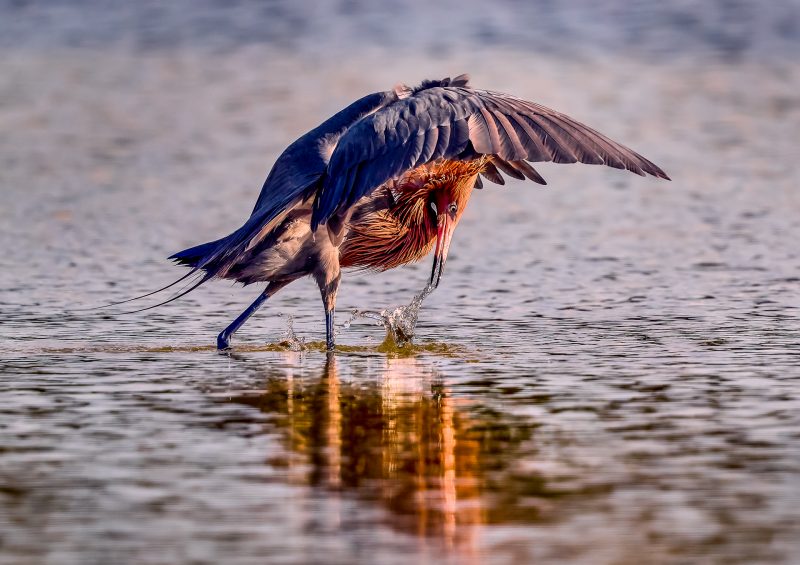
<point x="305" y="161"/>
<point x="447" y="119"/>
<point x="296" y="175"/>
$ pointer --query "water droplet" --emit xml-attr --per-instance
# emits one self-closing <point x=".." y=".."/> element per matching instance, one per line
<point x="295" y="342"/>
<point x="400" y="322"/>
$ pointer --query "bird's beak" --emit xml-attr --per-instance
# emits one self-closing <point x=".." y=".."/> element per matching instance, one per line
<point x="444" y="231"/>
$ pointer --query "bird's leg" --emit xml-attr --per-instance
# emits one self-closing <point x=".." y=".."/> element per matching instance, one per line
<point x="328" y="290"/>
<point x="224" y="338"/>
<point x="330" y="340"/>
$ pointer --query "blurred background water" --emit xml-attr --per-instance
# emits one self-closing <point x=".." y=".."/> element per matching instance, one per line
<point x="608" y="372"/>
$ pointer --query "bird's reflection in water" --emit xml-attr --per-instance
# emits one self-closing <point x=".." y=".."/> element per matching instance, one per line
<point x="398" y="437"/>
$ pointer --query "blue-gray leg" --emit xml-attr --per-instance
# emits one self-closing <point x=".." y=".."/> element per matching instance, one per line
<point x="330" y="342"/>
<point x="328" y="291"/>
<point x="224" y="338"/>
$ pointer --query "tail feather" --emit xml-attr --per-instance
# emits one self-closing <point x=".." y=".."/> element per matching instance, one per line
<point x="197" y="255"/>
<point x="191" y="257"/>
<point x="203" y="279"/>
<point x="215" y="256"/>
<point x="151" y="293"/>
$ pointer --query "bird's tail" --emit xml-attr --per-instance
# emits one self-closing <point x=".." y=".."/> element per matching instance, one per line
<point x="217" y="256"/>
<point x="194" y="257"/>
<point x="205" y="277"/>
<point x="151" y="293"/>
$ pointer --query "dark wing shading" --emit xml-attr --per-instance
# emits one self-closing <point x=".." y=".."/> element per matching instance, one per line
<point x="296" y="174"/>
<point x="516" y="169"/>
<point x="458" y="122"/>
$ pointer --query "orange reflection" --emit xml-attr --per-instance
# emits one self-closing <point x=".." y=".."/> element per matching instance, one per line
<point x="398" y="437"/>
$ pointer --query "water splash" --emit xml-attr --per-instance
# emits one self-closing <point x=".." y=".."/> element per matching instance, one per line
<point x="400" y="322"/>
<point x="290" y="339"/>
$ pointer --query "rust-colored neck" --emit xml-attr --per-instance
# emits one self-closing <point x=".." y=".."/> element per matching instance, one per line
<point x="404" y="229"/>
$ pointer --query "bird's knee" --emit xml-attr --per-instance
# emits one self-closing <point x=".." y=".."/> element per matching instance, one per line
<point x="328" y="288"/>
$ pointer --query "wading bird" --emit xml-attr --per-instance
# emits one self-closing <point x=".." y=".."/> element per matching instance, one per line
<point x="385" y="180"/>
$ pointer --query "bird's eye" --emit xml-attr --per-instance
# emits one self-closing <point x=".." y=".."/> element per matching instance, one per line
<point x="433" y="207"/>
<point x="453" y="208"/>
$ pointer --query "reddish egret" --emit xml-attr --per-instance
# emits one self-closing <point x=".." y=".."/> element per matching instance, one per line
<point x="384" y="180"/>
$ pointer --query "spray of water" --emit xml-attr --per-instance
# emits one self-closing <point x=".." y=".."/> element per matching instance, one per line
<point x="290" y="339"/>
<point x="400" y="322"/>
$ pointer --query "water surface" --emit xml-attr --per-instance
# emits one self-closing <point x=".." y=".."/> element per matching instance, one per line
<point x="608" y="372"/>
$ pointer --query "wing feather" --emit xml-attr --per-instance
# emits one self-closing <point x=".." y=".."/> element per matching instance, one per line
<point x="512" y="145"/>
<point x="491" y="173"/>
<point x="494" y="133"/>
<point x="431" y="141"/>
<point x="480" y="136"/>
<point x="449" y="120"/>
<point x="443" y="142"/>
<point x="536" y="148"/>
<point x="459" y="138"/>
<point x="597" y="151"/>
<point x="508" y="168"/>
<point x="528" y="171"/>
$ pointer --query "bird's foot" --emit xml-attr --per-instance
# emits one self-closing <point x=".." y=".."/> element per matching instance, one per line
<point x="223" y="342"/>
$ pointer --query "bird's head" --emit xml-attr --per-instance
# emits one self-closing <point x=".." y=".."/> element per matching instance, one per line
<point x="446" y="205"/>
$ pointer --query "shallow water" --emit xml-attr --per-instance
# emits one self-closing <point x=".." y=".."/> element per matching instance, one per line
<point x="608" y="372"/>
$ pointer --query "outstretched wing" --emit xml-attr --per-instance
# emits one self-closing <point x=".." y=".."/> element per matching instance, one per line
<point x="453" y="121"/>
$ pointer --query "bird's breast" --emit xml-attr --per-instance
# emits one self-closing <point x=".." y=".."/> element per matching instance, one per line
<point x="379" y="241"/>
